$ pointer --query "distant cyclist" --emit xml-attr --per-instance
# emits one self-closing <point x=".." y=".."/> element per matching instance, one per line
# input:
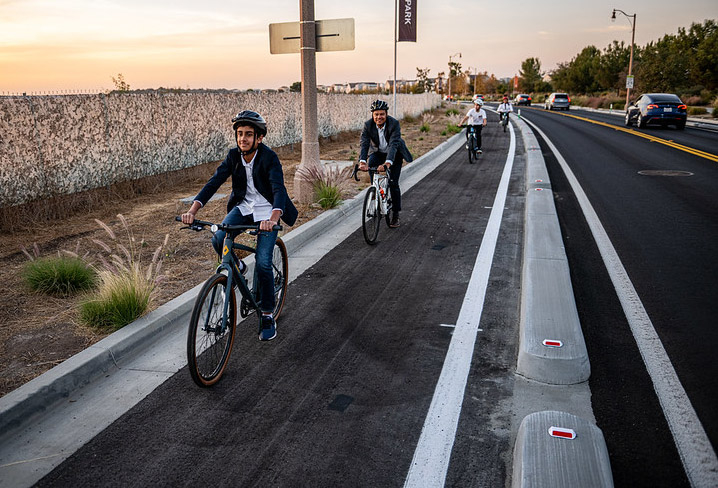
<point x="477" y="120"/>
<point x="381" y="144"/>
<point x="505" y="108"/>
<point x="258" y="196"/>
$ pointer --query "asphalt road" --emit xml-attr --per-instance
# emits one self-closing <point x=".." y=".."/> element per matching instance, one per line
<point x="664" y="228"/>
<point x="340" y="397"/>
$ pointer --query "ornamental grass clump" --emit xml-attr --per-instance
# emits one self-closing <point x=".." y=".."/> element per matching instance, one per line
<point x="59" y="275"/>
<point x="126" y="283"/>
<point x="328" y="183"/>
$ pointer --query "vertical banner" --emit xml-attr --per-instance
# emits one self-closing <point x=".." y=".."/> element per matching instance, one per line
<point x="407" y="21"/>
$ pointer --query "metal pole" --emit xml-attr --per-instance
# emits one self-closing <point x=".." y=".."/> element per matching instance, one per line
<point x="303" y="189"/>
<point x="396" y="41"/>
<point x="630" y="61"/>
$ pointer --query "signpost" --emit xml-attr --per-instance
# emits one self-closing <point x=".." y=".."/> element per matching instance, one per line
<point x="629" y="81"/>
<point x="307" y="37"/>
<point x="331" y="35"/>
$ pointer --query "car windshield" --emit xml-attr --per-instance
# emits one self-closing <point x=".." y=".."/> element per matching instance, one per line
<point x="665" y="98"/>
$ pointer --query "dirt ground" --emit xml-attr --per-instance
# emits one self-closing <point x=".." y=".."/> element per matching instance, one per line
<point x="38" y="331"/>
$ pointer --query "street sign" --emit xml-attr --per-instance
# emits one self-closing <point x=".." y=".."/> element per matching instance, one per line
<point x="332" y="35"/>
<point x="629" y="81"/>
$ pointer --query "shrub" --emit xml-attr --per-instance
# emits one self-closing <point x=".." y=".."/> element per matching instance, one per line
<point x="328" y="196"/>
<point x="697" y="111"/>
<point x="60" y="275"/>
<point x="409" y="119"/>
<point x="424" y="127"/>
<point x="126" y="285"/>
<point x="327" y="181"/>
<point x="122" y="298"/>
<point x="452" y="111"/>
<point x="453" y="128"/>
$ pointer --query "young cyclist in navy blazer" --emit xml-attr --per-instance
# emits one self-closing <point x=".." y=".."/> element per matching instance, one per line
<point x="258" y="195"/>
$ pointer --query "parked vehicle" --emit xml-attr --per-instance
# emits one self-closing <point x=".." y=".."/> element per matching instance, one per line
<point x="523" y="99"/>
<point x="473" y="99"/>
<point x="657" y="108"/>
<point x="557" y="101"/>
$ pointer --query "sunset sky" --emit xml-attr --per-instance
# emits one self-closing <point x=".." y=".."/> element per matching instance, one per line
<point x="48" y="45"/>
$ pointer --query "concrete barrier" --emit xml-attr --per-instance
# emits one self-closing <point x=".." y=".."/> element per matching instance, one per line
<point x="559" y="450"/>
<point x="551" y="346"/>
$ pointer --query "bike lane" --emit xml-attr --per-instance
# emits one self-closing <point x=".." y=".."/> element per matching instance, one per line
<point x="342" y="394"/>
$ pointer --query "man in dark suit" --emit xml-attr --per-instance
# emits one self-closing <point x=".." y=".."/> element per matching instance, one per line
<point x="258" y="195"/>
<point x="381" y="144"/>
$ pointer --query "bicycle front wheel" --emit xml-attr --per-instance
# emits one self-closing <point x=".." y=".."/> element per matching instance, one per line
<point x="370" y="217"/>
<point x="209" y="341"/>
<point x="280" y="263"/>
<point x="471" y="149"/>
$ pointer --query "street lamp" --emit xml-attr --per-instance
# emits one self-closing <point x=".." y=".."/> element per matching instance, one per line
<point x="633" y="37"/>
<point x="453" y="55"/>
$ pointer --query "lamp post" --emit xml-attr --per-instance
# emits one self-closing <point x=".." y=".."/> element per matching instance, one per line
<point x="453" y="55"/>
<point x="633" y="37"/>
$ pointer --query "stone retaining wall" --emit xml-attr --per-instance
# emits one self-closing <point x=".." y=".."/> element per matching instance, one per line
<point x="59" y="145"/>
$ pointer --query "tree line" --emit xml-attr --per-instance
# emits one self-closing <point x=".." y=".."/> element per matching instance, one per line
<point x="685" y="63"/>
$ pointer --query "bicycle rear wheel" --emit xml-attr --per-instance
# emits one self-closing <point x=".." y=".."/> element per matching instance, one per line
<point x="370" y="217"/>
<point x="280" y="263"/>
<point x="209" y="341"/>
<point x="471" y="148"/>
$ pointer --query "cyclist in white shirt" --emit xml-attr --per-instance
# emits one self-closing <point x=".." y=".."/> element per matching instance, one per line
<point x="477" y="120"/>
<point x="504" y="108"/>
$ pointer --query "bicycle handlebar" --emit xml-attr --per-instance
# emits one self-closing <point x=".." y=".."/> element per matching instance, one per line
<point x="199" y="225"/>
<point x="356" y="170"/>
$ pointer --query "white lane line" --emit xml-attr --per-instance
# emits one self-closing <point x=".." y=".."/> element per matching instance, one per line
<point x="432" y="454"/>
<point x="698" y="457"/>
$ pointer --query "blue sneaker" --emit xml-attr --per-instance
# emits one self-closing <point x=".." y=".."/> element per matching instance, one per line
<point x="269" y="328"/>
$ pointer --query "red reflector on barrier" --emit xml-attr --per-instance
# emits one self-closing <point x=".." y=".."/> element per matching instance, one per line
<point x="539" y="189"/>
<point x="539" y="181"/>
<point x="562" y="433"/>
<point x="552" y="343"/>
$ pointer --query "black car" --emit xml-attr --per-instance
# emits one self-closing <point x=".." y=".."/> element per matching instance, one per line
<point x="657" y="108"/>
<point x="523" y="99"/>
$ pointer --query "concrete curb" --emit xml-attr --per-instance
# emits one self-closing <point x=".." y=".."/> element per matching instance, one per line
<point x="38" y="395"/>
<point x="548" y="308"/>
<point x="544" y="460"/>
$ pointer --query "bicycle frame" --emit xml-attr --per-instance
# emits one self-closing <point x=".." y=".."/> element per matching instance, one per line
<point x="381" y="183"/>
<point x="234" y="277"/>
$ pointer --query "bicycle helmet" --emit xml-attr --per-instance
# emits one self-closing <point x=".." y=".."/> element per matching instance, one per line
<point x="251" y="118"/>
<point x="479" y="102"/>
<point x="379" y="105"/>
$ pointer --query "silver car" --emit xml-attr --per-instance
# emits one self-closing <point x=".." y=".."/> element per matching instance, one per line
<point x="557" y="101"/>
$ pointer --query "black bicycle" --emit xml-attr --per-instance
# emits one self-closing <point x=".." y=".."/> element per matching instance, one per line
<point x="377" y="202"/>
<point x="213" y="322"/>
<point x="472" y="143"/>
<point x="504" y="119"/>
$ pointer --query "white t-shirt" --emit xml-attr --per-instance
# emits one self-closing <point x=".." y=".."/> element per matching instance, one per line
<point x="254" y="203"/>
<point x="476" y="118"/>
<point x="505" y="107"/>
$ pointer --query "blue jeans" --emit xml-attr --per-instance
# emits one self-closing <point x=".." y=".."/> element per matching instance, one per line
<point x="263" y="257"/>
